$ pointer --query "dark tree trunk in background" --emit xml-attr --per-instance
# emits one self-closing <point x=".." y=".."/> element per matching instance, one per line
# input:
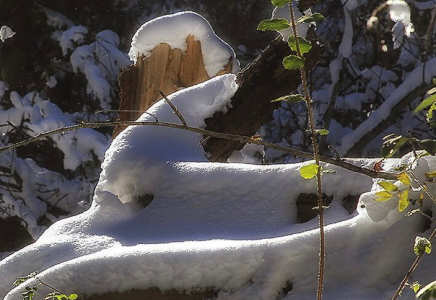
<point x="262" y="81"/>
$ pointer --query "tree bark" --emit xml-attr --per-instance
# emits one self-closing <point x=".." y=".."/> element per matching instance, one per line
<point x="262" y="81"/>
<point x="167" y="69"/>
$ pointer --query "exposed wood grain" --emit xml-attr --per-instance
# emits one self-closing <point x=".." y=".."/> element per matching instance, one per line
<point x="169" y="69"/>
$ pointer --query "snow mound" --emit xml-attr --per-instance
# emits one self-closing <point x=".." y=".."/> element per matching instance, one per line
<point x="174" y="29"/>
<point x="232" y="227"/>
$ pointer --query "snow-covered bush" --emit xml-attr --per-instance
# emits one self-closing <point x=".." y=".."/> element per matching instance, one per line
<point x="55" y="177"/>
<point x="50" y="178"/>
<point x="378" y="62"/>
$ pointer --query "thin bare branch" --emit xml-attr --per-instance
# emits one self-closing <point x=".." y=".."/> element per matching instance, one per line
<point x="126" y="110"/>
<point x="238" y="138"/>
<point x="173" y="107"/>
<point x="411" y="270"/>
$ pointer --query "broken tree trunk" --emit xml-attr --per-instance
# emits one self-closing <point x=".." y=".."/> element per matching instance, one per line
<point x="263" y="80"/>
<point x="168" y="69"/>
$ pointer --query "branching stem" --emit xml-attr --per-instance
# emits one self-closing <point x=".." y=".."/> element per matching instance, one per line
<point x="238" y="138"/>
<point x="411" y="270"/>
<point x="316" y="156"/>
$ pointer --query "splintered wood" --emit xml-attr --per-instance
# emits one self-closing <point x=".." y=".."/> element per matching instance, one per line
<point x="169" y="69"/>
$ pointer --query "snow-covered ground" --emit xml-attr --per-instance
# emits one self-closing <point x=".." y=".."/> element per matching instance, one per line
<point x="232" y="227"/>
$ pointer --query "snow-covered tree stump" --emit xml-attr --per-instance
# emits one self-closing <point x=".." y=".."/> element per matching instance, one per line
<point x="168" y="67"/>
<point x="262" y="81"/>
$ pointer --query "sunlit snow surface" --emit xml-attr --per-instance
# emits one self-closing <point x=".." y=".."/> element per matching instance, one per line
<point x="228" y="226"/>
<point x="173" y="29"/>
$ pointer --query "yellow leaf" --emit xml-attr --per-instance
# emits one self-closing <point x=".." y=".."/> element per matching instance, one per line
<point x="404" y="200"/>
<point x="430" y="174"/>
<point x="421" y="198"/>
<point x="383" y="196"/>
<point x="390" y="187"/>
<point x="309" y="171"/>
<point x="404" y="178"/>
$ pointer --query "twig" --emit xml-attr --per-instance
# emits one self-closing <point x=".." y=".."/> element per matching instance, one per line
<point x="417" y="260"/>
<point x="316" y="156"/>
<point x="428" y="42"/>
<point x="176" y="111"/>
<point x="334" y="151"/>
<point x="424" y="187"/>
<point x="49" y="286"/>
<point x="411" y="270"/>
<point x="238" y="138"/>
<point x="126" y="110"/>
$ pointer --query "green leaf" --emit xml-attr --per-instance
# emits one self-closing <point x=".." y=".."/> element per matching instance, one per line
<point x="309" y="171"/>
<point x="429" y="175"/>
<point x="290" y="98"/>
<point x="390" y="187"/>
<point x="415" y="287"/>
<point x="428" y="292"/>
<point x="280" y="3"/>
<point x="303" y="44"/>
<point x="29" y="293"/>
<point x="404" y="178"/>
<point x="383" y="196"/>
<point x="404" y="200"/>
<point x="316" y="17"/>
<point x="73" y="296"/>
<point x="293" y="62"/>
<point x="430" y="112"/>
<point x="422" y="245"/>
<point x="322" y="131"/>
<point x="22" y="279"/>
<point x="273" y="24"/>
<point x="426" y="103"/>
<point x="392" y="144"/>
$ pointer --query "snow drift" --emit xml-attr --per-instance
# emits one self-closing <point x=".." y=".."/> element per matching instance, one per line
<point x="229" y="227"/>
<point x="232" y="227"/>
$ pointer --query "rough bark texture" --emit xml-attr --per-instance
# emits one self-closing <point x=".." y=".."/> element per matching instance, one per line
<point x="263" y="80"/>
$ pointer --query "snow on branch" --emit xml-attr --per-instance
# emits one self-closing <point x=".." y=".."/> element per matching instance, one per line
<point x="413" y="86"/>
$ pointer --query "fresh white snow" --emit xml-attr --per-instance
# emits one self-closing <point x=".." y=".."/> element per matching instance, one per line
<point x="228" y="226"/>
<point x="399" y="12"/>
<point x="6" y="33"/>
<point x="78" y="147"/>
<point x="174" y="29"/>
<point x="416" y="78"/>
<point x="345" y="48"/>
